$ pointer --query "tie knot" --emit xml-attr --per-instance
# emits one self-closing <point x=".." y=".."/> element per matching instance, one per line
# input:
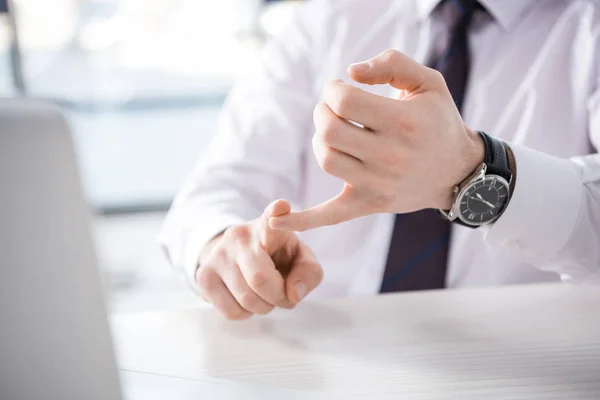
<point x="465" y="10"/>
<point x="467" y="7"/>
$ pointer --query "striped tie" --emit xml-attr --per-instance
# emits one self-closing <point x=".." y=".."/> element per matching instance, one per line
<point x="418" y="255"/>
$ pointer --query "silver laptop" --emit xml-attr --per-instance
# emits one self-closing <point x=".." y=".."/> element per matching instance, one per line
<point x="54" y="335"/>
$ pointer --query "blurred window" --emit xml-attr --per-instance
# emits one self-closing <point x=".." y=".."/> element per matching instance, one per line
<point x="141" y="81"/>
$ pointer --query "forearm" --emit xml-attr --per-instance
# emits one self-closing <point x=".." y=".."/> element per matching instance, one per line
<point x="553" y="219"/>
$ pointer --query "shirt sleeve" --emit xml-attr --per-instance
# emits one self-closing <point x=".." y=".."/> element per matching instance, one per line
<point x="258" y="152"/>
<point x="553" y="219"/>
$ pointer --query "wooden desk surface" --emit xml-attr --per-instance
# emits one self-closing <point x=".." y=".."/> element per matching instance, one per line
<point x="522" y="342"/>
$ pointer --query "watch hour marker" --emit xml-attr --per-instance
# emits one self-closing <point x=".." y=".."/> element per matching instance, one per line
<point x="471" y="216"/>
<point x="502" y="195"/>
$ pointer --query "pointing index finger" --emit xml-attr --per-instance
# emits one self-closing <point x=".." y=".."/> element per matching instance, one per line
<point x="343" y="207"/>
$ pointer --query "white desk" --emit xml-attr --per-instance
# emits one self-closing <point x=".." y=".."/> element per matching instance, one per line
<point x="527" y="342"/>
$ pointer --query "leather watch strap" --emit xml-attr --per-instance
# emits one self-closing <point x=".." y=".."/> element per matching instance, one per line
<point x="496" y="160"/>
<point x="496" y="157"/>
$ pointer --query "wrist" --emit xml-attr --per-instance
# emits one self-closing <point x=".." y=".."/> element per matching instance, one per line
<point x="472" y="157"/>
<point x="474" y="153"/>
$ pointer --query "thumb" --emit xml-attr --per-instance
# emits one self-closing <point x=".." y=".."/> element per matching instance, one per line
<point x="341" y="208"/>
<point x="270" y="238"/>
<point x="391" y="67"/>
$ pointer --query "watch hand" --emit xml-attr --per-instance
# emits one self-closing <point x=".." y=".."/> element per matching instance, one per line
<point x="480" y="199"/>
<point x="489" y="204"/>
<point x="474" y="198"/>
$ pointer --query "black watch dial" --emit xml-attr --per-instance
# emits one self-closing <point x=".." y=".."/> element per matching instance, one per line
<point x="482" y="202"/>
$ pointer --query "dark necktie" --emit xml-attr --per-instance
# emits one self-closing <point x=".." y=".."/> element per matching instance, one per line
<point x="418" y="255"/>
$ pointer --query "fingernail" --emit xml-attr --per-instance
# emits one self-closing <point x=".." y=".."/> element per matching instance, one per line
<point x="301" y="290"/>
<point x="360" y="67"/>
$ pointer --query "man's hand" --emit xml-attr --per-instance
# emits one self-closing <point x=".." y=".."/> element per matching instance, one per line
<point x="410" y="154"/>
<point x="251" y="268"/>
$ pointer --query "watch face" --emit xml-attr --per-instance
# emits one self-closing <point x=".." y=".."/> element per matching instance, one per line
<point x="483" y="201"/>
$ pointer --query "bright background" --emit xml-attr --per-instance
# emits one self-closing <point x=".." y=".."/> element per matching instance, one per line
<point x="142" y="83"/>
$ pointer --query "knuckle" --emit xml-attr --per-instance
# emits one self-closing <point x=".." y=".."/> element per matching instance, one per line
<point x="328" y="161"/>
<point x="401" y="117"/>
<point x="342" y="101"/>
<point x="219" y="254"/>
<point x="390" y="55"/>
<point x="238" y="233"/>
<point x="248" y="300"/>
<point x="330" y="133"/>
<point x="319" y="112"/>
<point x="207" y="280"/>
<point x="406" y="123"/>
<point x="258" y="280"/>
<point x="392" y="160"/>
<point x="436" y="76"/>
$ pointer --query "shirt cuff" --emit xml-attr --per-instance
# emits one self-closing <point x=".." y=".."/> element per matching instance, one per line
<point x="199" y="238"/>
<point x="544" y="208"/>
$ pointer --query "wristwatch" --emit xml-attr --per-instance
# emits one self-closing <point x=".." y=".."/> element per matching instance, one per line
<point x="484" y="195"/>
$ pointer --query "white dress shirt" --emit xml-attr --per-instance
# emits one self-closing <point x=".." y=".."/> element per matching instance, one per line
<point x="535" y="82"/>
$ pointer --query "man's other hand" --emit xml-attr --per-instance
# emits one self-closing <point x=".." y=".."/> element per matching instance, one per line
<point x="251" y="268"/>
<point x="408" y="155"/>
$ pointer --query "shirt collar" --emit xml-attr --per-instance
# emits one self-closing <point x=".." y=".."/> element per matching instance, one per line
<point x="506" y="12"/>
